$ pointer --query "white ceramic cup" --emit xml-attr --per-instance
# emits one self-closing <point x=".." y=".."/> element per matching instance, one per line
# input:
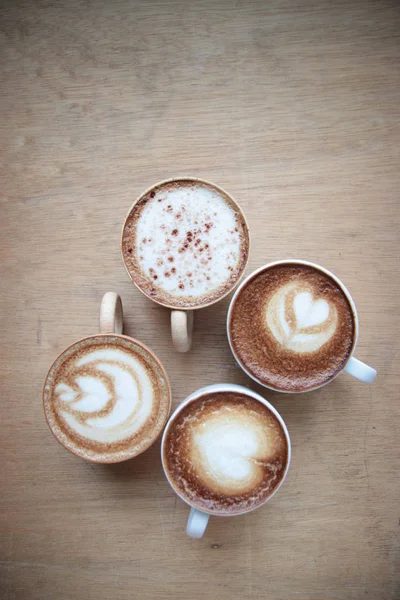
<point x="198" y="519"/>
<point x="353" y="366"/>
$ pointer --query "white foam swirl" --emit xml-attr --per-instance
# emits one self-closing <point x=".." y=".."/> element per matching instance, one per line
<point x="108" y="396"/>
<point x="228" y="448"/>
<point x="299" y="322"/>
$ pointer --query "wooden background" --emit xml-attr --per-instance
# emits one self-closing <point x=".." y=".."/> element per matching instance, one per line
<point x="293" y="106"/>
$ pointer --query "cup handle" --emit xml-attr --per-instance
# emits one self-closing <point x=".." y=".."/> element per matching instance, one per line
<point x="360" y="370"/>
<point x="182" y="328"/>
<point x="197" y="523"/>
<point x="111" y="313"/>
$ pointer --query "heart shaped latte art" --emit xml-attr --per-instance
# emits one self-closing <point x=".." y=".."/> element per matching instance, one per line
<point x="299" y="322"/>
<point x="230" y="450"/>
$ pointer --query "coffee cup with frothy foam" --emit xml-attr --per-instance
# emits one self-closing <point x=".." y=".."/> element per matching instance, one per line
<point x="225" y="451"/>
<point x="107" y="397"/>
<point x="185" y="245"/>
<point x="293" y="327"/>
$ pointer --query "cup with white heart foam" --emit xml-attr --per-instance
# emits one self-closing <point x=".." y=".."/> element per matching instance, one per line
<point x="293" y="326"/>
<point x="185" y="245"/>
<point x="225" y="452"/>
<point x="106" y="397"/>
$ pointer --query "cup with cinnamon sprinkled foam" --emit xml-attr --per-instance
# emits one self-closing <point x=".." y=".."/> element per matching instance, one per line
<point x="185" y="245"/>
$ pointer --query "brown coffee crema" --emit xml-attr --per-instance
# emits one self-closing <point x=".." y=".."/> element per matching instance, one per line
<point x="292" y="327"/>
<point x="225" y="452"/>
<point x="185" y="243"/>
<point x="106" y="398"/>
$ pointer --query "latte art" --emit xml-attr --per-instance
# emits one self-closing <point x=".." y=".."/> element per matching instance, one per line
<point x="225" y="452"/>
<point x="106" y="398"/>
<point x="297" y="321"/>
<point x="230" y="450"/>
<point x="291" y="326"/>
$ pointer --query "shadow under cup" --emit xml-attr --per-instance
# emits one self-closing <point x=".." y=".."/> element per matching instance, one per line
<point x="225" y="452"/>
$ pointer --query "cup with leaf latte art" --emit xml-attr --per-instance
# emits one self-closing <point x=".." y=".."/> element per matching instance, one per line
<point x="106" y="397"/>
<point x="293" y="326"/>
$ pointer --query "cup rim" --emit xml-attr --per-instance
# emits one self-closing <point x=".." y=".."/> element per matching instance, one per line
<point x="131" y="455"/>
<point x="225" y="387"/>
<point x="237" y="207"/>
<point x="318" y="267"/>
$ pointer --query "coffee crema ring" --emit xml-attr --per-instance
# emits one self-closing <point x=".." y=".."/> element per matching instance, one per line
<point x="292" y="326"/>
<point x="106" y="396"/>
<point x="225" y="452"/>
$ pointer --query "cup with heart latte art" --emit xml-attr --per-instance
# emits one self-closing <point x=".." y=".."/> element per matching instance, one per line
<point x="293" y="327"/>
<point x="107" y="397"/>
<point x="225" y="451"/>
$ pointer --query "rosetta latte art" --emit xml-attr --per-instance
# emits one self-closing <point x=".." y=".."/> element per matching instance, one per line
<point x="106" y="397"/>
<point x="299" y="322"/>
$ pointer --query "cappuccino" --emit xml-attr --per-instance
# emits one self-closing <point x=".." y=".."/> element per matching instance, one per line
<point x="106" y="398"/>
<point x="185" y="243"/>
<point x="225" y="452"/>
<point x="292" y="327"/>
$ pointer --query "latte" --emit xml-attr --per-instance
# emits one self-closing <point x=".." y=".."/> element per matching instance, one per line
<point x="292" y="327"/>
<point x="185" y="243"/>
<point x="225" y="452"/>
<point x="106" y="398"/>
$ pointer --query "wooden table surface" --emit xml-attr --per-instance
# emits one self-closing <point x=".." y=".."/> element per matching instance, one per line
<point x="293" y="107"/>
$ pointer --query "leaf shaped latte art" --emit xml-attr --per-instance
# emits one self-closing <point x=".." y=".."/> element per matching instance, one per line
<point x="107" y="396"/>
<point x="299" y="322"/>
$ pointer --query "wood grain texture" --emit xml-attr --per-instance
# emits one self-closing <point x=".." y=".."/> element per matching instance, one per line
<point x="293" y="107"/>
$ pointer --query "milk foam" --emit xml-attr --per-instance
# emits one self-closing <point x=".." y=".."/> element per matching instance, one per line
<point x="108" y="396"/>
<point x="299" y="322"/>
<point x="229" y="448"/>
<point x="188" y="242"/>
